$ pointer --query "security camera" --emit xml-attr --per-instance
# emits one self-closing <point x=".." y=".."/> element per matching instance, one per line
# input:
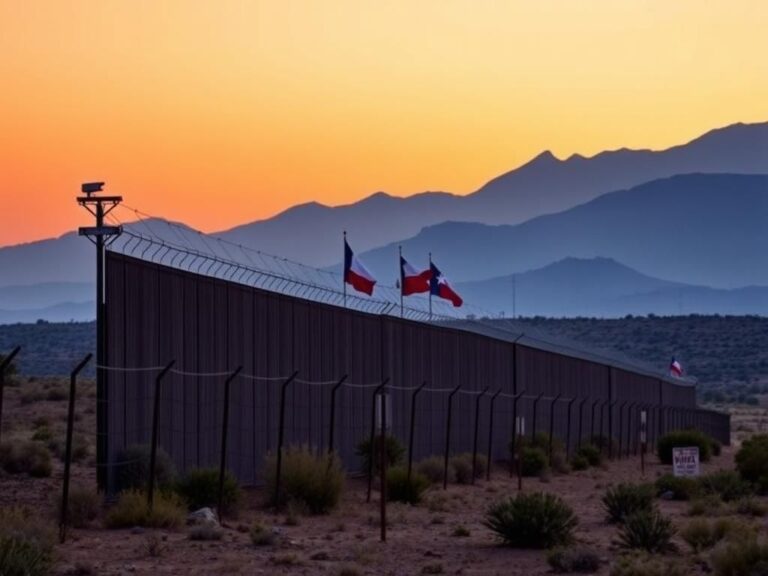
<point x="92" y="187"/>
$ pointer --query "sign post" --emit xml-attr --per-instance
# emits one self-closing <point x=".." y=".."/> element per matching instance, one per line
<point x="685" y="461"/>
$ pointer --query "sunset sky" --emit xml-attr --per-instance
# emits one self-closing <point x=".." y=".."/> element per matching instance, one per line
<point x="218" y="113"/>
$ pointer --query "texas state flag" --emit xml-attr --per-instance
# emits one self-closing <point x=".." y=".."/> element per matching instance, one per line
<point x="675" y="368"/>
<point x="438" y="286"/>
<point x="411" y="280"/>
<point x="355" y="273"/>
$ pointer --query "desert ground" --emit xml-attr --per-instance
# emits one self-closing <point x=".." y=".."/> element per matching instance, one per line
<point x="442" y="535"/>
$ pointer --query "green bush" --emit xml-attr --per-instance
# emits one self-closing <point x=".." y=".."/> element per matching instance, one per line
<point x="750" y="506"/>
<point x="432" y="468"/>
<point x="591" y="454"/>
<point x="133" y="473"/>
<point x="576" y="559"/>
<point x="535" y="520"/>
<point x="533" y="461"/>
<point x="647" y="530"/>
<point x="42" y="434"/>
<point x="680" y="487"/>
<point x="315" y="482"/>
<point x="752" y="461"/>
<point x="261" y="535"/>
<point x="83" y="506"/>
<point x="703" y="534"/>
<point x="741" y="557"/>
<point x="541" y="441"/>
<point x="726" y="484"/>
<point x="399" y="489"/>
<point x="624" y="500"/>
<point x="644" y="564"/>
<point x="200" y="488"/>
<point x="168" y="511"/>
<point x="710" y="505"/>
<point x="26" y="544"/>
<point x="579" y="462"/>
<point x="394" y="452"/>
<point x="26" y="457"/>
<point x="684" y="439"/>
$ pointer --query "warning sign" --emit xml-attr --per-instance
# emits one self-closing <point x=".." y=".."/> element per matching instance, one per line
<point x="685" y="461"/>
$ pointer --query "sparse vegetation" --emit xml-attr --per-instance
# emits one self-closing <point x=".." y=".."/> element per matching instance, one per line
<point x="727" y="484"/>
<point x="703" y="534"/>
<point x="399" y="489"/>
<point x="624" y="500"/>
<point x="133" y="474"/>
<point x="261" y="535"/>
<point x="533" y="461"/>
<point x="314" y="481"/>
<point x="741" y="557"/>
<point x="591" y="453"/>
<point x="460" y="532"/>
<point x="681" y="488"/>
<point x="131" y="509"/>
<point x="535" y="520"/>
<point x="432" y="468"/>
<point x="710" y="505"/>
<point x="647" y="530"/>
<point x="579" y="462"/>
<point x="643" y="564"/>
<point x="200" y="487"/>
<point x="682" y="439"/>
<point x="750" y="506"/>
<point x="205" y="532"/>
<point x="578" y="559"/>
<point x="752" y="461"/>
<point x="26" y="544"/>
<point x="394" y="452"/>
<point x="25" y="457"/>
<point x="83" y="508"/>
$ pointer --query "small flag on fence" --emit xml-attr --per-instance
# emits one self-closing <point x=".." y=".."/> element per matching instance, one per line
<point x="439" y="286"/>
<point x="355" y="274"/>
<point x="411" y="280"/>
<point x="675" y="368"/>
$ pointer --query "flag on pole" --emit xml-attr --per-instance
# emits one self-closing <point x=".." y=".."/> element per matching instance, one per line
<point x="413" y="281"/>
<point x="439" y="286"/>
<point x="355" y="274"/>
<point x="675" y="368"/>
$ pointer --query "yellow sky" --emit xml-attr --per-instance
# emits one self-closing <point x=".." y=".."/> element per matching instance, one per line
<point x="216" y="113"/>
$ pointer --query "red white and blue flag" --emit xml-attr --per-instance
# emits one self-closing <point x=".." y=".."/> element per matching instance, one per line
<point x="413" y="281"/>
<point x="355" y="274"/>
<point x="675" y="368"/>
<point x="439" y="286"/>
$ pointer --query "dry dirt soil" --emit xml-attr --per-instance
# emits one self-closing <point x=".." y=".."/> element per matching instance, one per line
<point x="420" y="540"/>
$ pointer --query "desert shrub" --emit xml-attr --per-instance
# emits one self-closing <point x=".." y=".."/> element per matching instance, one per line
<point x="680" y="487"/>
<point x="315" y="482"/>
<point x="83" y="506"/>
<point x="579" y="462"/>
<point x="559" y="462"/>
<point x="460" y="532"/>
<point x="710" y="505"/>
<point x="624" y="500"/>
<point x="462" y="468"/>
<point x="704" y="534"/>
<point x="741" y="557"/>
<point x="591" y="454"/>
<point x="725" y="483"/>
<point x="200" y="488"/>
<point x="80" y="448"/>
<point x="399" y="489"/>
<point x="535" y="520"/>
<point x="394" y="452"/>
<point x="683" y="439"/>
<point x="647" y="530"/>
<point x="261" y="535"/>
<point x="42" y="434"/>
<point x="541" y="441"/>
<point x="133" y="473"/>
<point x="26" y="544"/>
<point x="56" y="394"/>
<point x="752" y="461"/>
<point x="168" y="511"/>
<point x="750" y="506"/>
<point x="646" y="565"/>
<point x="576" y="559"/>
<point x="432" y="468"/>
<point x="26" y="457"/>
<point x="533" y="461"/>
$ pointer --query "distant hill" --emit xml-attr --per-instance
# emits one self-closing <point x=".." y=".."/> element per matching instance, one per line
<point x="602" y="287"/>
<point x="61" y="312"/>
<point x="311" y="233"/>
<point x="699" y="229"/>
<point x="44" y="294"/>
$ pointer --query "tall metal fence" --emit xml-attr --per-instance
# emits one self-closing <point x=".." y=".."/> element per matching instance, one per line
<point x="310" y="371"/>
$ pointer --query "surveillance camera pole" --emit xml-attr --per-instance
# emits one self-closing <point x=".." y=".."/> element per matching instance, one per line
<point x="100" y="206"/>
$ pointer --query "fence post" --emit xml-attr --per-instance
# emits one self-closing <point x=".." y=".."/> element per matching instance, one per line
<point x="68" y="451"/>
<point x="6" y="362"/>
<point x="448" y="435"/>
<point x="621" y="427"/>
<point x="516" y="397"/>
<point x="490" y="434"/>
<point x="281" y="436"/>
<point x="477" y="428"/>
<point x="383" y="470"/>
<point x="592" y="421"/>
<point x="332" y="425"/>
<point x="629" y="428"/>
<point x="412" y="430"/>
<point x="155" y="425"/>
<point x="568" y="433"/>
<point x="376" y="392"/>
<point x="535" y="404"/>
<point x="610" y="405"/>
<point x="224" y="434"/>
<point x="552" y="424"/>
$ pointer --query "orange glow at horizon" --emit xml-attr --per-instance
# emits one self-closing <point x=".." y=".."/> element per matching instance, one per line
<point x="219" y="113"/>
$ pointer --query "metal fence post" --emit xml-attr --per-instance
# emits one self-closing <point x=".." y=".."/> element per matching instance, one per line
<point x="332" y="425"/>
<point x="281" y="437"/>
<point x="514" y="432"/>
<point x="628" y="449"/>
<point x="552" y="424"/>
<point x="568" y="433"/>
<point x="621" y="427"/>
<point x="383" y="471"/>
<point x="610" y="405"/>
<point x="224" y="434"/>
<point x="477" y="428"/>
<point x="412" y="431"/>
<point x="592" y="421"/>
<point x="490" y="434"/>
<point x="5" y="363"/>
<point x="372" y="455"/>
<point x="533" y="426"/>
<point x="68" y="450"/>
<point x="155" y="424"/>
<point x="448" y="436"/>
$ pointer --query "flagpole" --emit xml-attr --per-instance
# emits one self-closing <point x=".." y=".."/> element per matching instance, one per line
<point x="400" y="267"/>
<point x="344" y="266"/>
<point x="430" y="288"/>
